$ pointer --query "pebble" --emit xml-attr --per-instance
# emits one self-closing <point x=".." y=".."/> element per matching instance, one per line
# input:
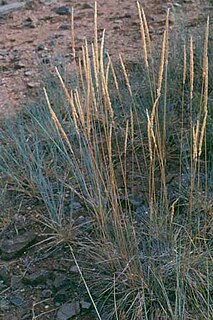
<point x="33" y="85"/>
<point x="74" y="269"/>
<point x="36" y="278"/>
<point x="11" y="248"/>
<point x="85" y="305"/>
<point x="68" y="310"/>
<point x="15" y="282"/>
<point x="47" y="293"/>
<point x="63" y="11"/>
<point x="4" y="275"/>
<point x="17" y="301"/>
<point x="29" y="23"/>
<point x="19" y="65"/>
<point x="87" y="5"/>
<point x="60" y="281"/>
<point x="61" y="296"/>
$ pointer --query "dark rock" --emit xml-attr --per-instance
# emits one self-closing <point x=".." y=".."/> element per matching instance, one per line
<point x="5" y="9"/>
<point x="19" y="65"/>
<point x="29" y="23"/>
<point x="4" y="275"/>
<point x="61" y="296"/>
<point x="15" y="282"/>
<point x="85" y="305"/>
<point x="68" y="310"/>
<point x="63" y="11"/>
<point x="41" y="47"/>
<point x="46" y="60"/>
<point x="47" y="293"/>
<point x="17" y="301"/>
<point x="14" y="247"/>
<point x="37" y="278"/>
<point x="87" y="5"/>
<point x="61" y="280"/>
<point x="64" y="27"/>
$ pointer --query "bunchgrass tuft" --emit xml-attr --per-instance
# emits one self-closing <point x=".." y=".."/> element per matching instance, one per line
<point x="132" y="144"/>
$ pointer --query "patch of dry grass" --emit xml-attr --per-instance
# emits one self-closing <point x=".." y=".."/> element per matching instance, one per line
<point x="137" y="166"/>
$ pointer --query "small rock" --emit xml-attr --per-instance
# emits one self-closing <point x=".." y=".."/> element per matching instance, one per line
<point x="33" y="85"/>
<point x="14" y="247"/>
<point x="87" y="6"/>
<point x="47" y="293"/>
<point x="29" y="74"/>
<point x="19" y="65"/>
<point x="17" y="301"/>
<point x="74" y="269"/>
<point x="63" y="11"/>
<point x="4" y="275"/>
<point x="41" y="47"/>
<point x="29" y="23"/>
<point x="64" y="27"/>
<point x="37" y="278"/>
<point x="68" y="310"/>
<point x="61" y="297"/>
<point x="15" y="282"/>
<point x="85" y="305"/>
<point x="7" y="8"/>
<point x="60" y="281"/>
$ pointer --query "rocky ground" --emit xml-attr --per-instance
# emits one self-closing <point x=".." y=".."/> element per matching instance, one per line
<point x="35" y="33"/>
<point x="37" y="282"/>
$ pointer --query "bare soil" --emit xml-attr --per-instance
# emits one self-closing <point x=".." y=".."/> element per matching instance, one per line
<point x="36" y="34"/>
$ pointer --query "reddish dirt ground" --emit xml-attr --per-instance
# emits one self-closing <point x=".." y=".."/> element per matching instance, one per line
<point x="37" y="34"/>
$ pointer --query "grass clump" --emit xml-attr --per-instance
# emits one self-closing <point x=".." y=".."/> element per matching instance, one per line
<point x="133" y="145"/>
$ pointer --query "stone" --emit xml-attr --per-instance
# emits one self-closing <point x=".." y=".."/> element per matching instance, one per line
<point x="74" y="269"/>
<point x="17" y="301"/>
<point x="19" y="65"/>
<point x="61" y="296"/>
<point x="47" y="293"/>
<point x="87" y="5"/>
<point x="14" y="247"/>
<point x="33" y="84"/>
<point x="15" y="282"/>
<point x="4" y="275"/>
<point x="29" y="73"/>
<point x="63" y="11"/>
<point x="68" y="310"/>
<point x="64" y="27"/>
<point x="8" y="8"/>
<point x="61" y="280"/>
<point x="30" y="23"/>
<point x="85" y="305"/>
<point x="41" y="47"/>
<point x="36" y="278"/>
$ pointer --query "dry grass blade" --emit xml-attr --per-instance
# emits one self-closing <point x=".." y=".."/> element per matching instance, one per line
<point x="191" y="68"/>
<point x="143" y="37"/>
<point x="73" y="34"/>
<point x="56" y="122"/>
